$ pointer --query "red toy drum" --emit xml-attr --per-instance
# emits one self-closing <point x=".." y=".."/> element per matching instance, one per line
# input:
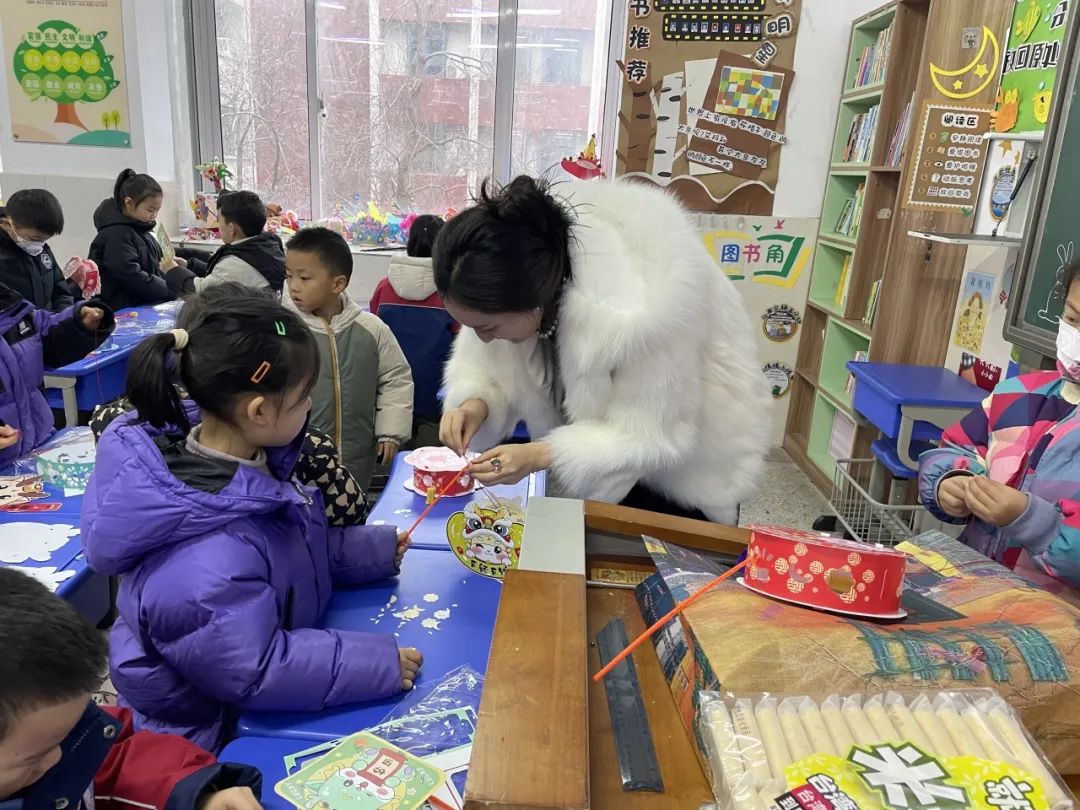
<point x="818" y="571"/>
<point x="437" y="467"/>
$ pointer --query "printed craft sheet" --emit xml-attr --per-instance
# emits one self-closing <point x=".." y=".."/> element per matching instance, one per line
<point x="971" y="623"/>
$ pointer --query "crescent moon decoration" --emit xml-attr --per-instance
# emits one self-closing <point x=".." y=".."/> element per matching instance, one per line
<point x="950" y="83"/>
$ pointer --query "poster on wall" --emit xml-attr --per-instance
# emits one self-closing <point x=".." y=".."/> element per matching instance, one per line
<point x="950" y="157"/>
<point x="65" y="72"/>
<point x="705" y="86"/>
<point x="1029" y="68"/>
<point x="768" y="259"/>
<point x="977" y="351"/>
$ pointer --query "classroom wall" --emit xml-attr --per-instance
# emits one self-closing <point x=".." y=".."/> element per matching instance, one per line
<point x="820" y="51"/>
<point x="82" y="176"/>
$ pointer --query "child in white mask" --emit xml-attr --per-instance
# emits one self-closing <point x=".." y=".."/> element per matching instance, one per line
<point x="27" y="265"/>
<point x="1011" y="468"/>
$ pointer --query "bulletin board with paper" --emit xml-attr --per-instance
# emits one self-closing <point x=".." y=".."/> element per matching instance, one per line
<point x="705" y="85"/>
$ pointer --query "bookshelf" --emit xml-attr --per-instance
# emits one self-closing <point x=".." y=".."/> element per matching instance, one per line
<point x="861" y="191"/>
<point x="893" y="303"/>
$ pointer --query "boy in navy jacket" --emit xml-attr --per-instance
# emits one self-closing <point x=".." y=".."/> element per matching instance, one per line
<point x="60" y="751"/>
<point x="27" y="264"/>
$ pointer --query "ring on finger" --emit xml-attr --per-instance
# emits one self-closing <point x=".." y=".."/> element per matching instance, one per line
<point x="496" y="464"/>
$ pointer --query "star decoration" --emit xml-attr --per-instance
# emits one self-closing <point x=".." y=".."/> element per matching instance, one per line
<point x="981" y="71"/>
<point x="958" y="84"/>
<point x="1006" y="147"/>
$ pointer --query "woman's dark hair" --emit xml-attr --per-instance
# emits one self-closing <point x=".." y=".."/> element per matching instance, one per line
<point x="137" y="186"/>
<point x="422" y="235"/>
<point x="240" y="341"/>
<point x="510" y="252"/>
<point x="36" y="208"/>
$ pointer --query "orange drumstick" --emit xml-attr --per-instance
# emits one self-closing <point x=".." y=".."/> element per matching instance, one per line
<point x="675" y="611"/>
<point x="438" y="497"/>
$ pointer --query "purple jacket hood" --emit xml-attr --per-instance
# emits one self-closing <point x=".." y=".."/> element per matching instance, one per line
<point x="145" y="500"/>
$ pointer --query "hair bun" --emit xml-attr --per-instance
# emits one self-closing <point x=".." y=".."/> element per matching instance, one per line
<point x="528" y="202"/>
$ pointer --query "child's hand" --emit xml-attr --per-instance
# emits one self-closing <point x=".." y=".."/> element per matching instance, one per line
<point x="237" y="798"/>
<point x="952" y="496"/>
<point x="91" y="318"/>
<point x="995" y="503"/>
<point x="411" y="661"/>
<point x="403" y="543"/>
<point x="387" y="450"/>
<point x="8" y="436"/>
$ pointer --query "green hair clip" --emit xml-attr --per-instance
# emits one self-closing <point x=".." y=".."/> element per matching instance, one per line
<point x="280" y="327"/>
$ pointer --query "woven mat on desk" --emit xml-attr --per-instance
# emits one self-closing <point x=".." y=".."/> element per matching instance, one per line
<point x="972" y="623"/>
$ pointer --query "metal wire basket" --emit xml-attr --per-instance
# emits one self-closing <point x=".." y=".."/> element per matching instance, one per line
<point x="868" y="520"/>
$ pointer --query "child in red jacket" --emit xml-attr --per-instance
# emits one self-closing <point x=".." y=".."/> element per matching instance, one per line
<point x="59" y="751"/>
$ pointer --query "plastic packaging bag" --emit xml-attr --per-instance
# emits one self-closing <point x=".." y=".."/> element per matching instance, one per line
<point x="874" y="751"/>
<point x="66" y="460"/>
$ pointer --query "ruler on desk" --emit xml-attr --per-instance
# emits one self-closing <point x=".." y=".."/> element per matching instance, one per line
<point x="633" y="739"/>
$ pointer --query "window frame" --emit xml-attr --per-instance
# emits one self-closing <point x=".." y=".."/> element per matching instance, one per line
<point x="207" y="135"/>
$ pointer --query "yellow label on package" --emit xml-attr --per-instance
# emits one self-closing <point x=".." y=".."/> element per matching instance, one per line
<point x="898" y="776"/>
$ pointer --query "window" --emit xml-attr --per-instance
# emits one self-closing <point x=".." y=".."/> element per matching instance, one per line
<point x="328" y="104"/>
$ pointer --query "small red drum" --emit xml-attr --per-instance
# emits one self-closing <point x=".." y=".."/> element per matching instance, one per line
<point x="818" y="571"/>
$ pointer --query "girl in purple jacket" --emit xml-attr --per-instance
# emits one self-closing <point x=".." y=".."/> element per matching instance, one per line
<point x="226" y="562"/>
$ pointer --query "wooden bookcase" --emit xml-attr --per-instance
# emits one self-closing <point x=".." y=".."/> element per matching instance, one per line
<point x="917" y="282"/>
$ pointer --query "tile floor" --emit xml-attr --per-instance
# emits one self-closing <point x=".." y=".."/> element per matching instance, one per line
<point x="786" y="497"/>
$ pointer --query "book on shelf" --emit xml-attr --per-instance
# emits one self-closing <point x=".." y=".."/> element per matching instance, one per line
<point x="842" y="285"/>
<point x="873" y="60"/>
<point x="898" y="143"/>
<point x="871" y="303"/>
<point x="860" y="357"/>
<point x="861" y="136"/>
<point x="848" y="223"/>
<point x="842" y="436"/>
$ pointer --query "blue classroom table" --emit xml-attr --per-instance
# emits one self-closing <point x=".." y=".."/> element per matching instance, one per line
<point x="463" y="638"/>
<point x="47" y="545"/>
<point x="398" y="506"/>
<point x="100" y="376"/>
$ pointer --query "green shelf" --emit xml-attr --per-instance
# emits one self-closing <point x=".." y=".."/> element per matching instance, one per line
<point x="865" y="94"/>
<point x="841" y="343"/>
<point x="839" y="188"/>
<point x="825" y="278"/>
<point x="838" y="241"/>
<point x="863" y="35"/>
<point x="817" y="442"/>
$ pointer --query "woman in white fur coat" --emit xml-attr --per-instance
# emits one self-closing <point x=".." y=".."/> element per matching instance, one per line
<point x="595" y="314"/>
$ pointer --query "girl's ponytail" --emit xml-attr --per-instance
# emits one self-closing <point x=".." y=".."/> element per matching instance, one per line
<point x="138" y="187"/>
<point x="150" y="381"/>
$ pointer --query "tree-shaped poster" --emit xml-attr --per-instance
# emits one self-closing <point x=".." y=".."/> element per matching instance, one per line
<point x="65" y="67"/>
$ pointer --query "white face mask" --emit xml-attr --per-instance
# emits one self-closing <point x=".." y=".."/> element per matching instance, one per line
<point x="1068" y="350"/>
<point x="30" y="246"/>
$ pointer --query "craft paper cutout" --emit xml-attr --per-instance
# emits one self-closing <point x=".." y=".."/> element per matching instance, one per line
<point x="46" y="575"/>
<point x="19" y="490"/>
<point x="362" y="773"/>
<point x="68" y="465"/>
<point x="972" y="78"/>
<point x="34" y="541"/>
<point x="486" y="540"/>
<point x="1029" y="67"/>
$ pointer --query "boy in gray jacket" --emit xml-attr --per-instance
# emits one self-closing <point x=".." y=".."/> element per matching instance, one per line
<point x="364" y="396"/>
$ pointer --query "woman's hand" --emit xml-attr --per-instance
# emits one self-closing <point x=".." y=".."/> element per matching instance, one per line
<point x="952" y="496"/>
<point x="993" y="502"/>
<point x="460" y="425"/>
<point x="91" y="318"/>
<point x="509" y="463"/>
<point x="386" y="451"/>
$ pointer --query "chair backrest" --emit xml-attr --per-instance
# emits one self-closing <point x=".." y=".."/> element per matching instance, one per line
<point x="425" y="335"/>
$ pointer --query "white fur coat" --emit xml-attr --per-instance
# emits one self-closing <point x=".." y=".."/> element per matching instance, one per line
<point x="662" y="381"/>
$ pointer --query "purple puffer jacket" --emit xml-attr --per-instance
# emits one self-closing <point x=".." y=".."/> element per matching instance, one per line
<point x="30" y="339"/>
<point x="226" y="572"/>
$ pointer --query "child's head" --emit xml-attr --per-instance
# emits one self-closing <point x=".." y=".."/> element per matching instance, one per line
<point x="318" y="266"/>
<point x="32" y="217"/>
<point x="422" y="235"/>
<point x="51" y="660"/>
<point x="138" y="196"/>
<point x="243" y="358"/>
<point x="240" y="214"/>
<point x="1071" y="309"/>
